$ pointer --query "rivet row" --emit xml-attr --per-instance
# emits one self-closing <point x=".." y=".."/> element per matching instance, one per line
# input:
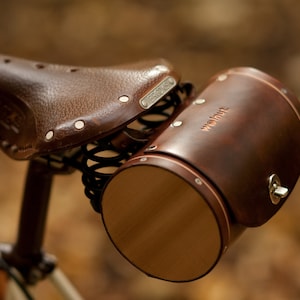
<point x="79" y="125"/>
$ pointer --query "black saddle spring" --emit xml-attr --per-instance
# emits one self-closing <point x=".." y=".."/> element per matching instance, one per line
<point x="101" y="158"/>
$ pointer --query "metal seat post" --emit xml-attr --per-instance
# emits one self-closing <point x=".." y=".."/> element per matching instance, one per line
<point x="27" y="255"/>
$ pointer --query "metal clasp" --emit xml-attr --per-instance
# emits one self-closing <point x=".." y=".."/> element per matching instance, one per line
<point x="276" y="191"/>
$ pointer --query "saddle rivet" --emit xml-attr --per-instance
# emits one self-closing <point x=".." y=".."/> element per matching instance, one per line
<point x="49" y="135"/>
<point x="124" y="99"/>
<point x="222" y="77"/>
<point x="14" y="148"/>
<point x="5" y="144"/>
<point x="79" y="124"/>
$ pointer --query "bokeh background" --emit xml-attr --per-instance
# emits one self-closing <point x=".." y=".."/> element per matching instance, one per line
<point x="200" y="37"/>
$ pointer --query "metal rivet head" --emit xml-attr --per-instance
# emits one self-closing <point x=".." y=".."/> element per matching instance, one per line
<point x="49" y="135"/>
<point x="284" y="91"/>
<point x="176" y="124"/>
<point x="198" y="181"/>
<point x="5" y="144"/>
<point x="199" y="101"/>
<point x="161" y="68"/>
<point x="171" y="81"/>
<point x="14" y="148"/>
<point x="79" y="124"/>
<point x="222" y="77"/>
<point x="143" y="159"/>
<point x="124" y="99"/>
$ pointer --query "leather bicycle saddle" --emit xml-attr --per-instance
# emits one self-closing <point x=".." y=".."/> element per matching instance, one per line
<point x="47" y="108"/>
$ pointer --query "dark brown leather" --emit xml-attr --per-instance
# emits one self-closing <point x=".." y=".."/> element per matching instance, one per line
<point x="41" y="104"/>
<point x="247" y="129"/>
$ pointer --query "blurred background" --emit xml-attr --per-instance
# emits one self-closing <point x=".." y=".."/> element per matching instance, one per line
<point x="200" y="38"/>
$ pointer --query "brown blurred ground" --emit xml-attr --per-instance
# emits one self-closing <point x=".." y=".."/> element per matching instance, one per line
<point x="199" y="38"/>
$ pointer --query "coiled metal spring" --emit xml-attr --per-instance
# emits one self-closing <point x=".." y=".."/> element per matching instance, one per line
<point x="102" y="158"/>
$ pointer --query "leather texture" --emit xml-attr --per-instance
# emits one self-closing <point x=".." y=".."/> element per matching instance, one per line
<point x="47" y="108"/>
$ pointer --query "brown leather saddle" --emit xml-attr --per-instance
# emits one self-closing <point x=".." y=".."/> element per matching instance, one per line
<point x="47" y="108"/>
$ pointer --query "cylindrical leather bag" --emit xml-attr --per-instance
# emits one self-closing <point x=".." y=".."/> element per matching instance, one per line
<point x="227" y="162"/>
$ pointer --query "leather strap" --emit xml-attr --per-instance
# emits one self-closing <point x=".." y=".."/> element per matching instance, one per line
<point x="47" y="108"/>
